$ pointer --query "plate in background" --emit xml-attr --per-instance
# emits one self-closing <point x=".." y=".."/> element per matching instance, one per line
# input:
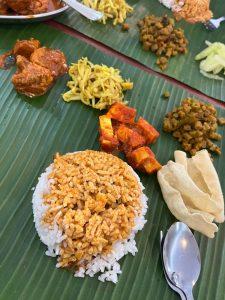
<point x="32" y="18"/>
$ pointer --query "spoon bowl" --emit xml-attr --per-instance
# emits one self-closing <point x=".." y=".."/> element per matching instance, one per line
<point x="181" y="258"/>
<point x="171" y="285"/>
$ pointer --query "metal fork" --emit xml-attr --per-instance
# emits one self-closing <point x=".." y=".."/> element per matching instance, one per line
<point x="213" y="24"/>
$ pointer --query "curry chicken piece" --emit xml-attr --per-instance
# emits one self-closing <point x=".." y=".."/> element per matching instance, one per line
<point x="3" y="7"/>
<point x="38" y="67"/>
<point x="28" y="7"/>
<point x="39" y="6"/>
<point x="22" y="47"/>
<point x="54" y="60"/>
<point x="26" y="47"/>
<point x="20" y="6"/>
<point x="31" y="79"/>
<point x="119" y="131"/>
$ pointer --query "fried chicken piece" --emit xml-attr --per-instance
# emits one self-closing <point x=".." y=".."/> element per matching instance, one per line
<point x="54" y="60"/>
<point x="31" y="79"/>
<point x="28" y="7"/>
<point x="26" y="47"/>
<point x="3" y="7"/>
<point x="194" y="11"/>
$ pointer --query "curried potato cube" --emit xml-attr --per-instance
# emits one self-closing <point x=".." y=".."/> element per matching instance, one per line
<point x="123" y="133"/>
<point x="144" y="160"/>
<point x="149" y="132"/>
<point x="139" y="155"/>
<point x="151" y="165"/>
<point x="129" y="136"/>
<point x="108" y="140"/>
<point x="122" y="113"/>
<point x="136" y="140"/>
<point x="105" y="125"/>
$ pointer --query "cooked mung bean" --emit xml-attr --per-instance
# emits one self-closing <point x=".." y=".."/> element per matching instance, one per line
<point x="159" y="35"/>
<point x="194" y="124"/>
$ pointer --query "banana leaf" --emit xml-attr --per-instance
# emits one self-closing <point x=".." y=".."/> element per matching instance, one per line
<point x="32" y="131"/>
<point x="182" y="67"/>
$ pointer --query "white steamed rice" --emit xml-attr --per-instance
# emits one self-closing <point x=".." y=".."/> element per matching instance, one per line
<point x="107" y="265"/>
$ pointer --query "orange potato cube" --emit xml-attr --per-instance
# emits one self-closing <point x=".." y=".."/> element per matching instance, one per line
<point x="108" y="145"/>
<point x="123" y="133"/>
<point x="108" y="140"/>
<point x="144" y="160"/>
<point x="130" y="137"/>
<point x="151" y="165"/>
<point x="136" y="140"/>
<point x="105" y="124"/>
<point x="149" y="132"/>
<point x="140" y="155"/>
<point x="122" y="113"/>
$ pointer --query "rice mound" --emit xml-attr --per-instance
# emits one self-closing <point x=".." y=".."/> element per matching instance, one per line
<point x="107" y="264"/>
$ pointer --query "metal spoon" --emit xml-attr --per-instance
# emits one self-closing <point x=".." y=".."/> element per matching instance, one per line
<point x="88" y="12"/>
<point x="181" y="258"/>
<point x="172" y="286"/>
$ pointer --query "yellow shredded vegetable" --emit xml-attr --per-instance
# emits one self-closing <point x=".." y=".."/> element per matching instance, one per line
<point x="95" y="85"/>
<point x="112" y="9"/>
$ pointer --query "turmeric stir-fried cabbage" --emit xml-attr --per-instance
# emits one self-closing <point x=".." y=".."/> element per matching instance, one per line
<point x="98" y="86"/>
<point x="112" y="9"/>
<point x="213" y="60"/>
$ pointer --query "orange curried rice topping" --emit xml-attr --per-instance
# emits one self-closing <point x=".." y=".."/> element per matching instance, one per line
<point x="94" y="199"/>
<point x="194" y="11"/>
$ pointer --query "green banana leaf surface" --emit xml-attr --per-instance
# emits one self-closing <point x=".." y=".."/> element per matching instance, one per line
<point x="182" y="67"/>
<point x="32" y="131"/>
